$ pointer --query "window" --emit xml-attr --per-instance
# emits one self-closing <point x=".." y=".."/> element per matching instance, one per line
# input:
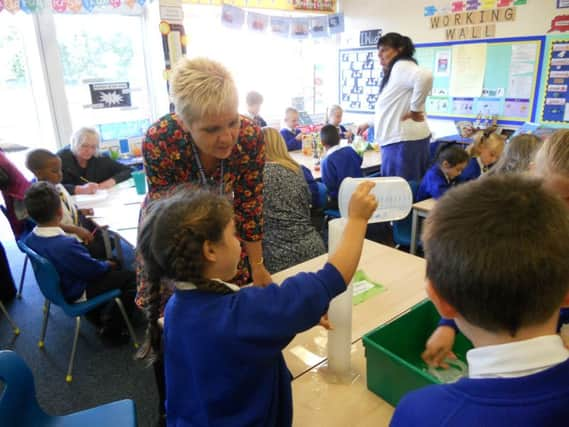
<point x="98" y="52"/>
<point x="24" y="110"/>
<point x="279" y="68"/>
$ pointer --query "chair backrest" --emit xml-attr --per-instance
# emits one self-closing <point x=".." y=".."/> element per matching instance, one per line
<point x="18" y="404"/>
<point x="46" y="275"/>
<point x="402" y="228"/>
<point x="322" y="194"/>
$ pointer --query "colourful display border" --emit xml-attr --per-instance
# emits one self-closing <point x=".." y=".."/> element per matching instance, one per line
<point x="544" y="77"/>
<point x="503" y="120"/>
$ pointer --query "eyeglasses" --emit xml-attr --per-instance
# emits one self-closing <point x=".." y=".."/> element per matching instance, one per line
<point x="88" y="146"/>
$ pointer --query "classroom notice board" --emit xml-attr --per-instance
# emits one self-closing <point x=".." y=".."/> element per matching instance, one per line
<point x="359" y="76"/>
<point x="554" y="100"/>
<point x="489" y="77"/>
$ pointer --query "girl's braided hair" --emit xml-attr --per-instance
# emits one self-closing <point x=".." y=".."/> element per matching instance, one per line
<point x="170" y="243"/>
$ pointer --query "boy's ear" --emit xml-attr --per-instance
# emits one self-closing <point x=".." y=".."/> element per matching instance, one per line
<point x="445" y="164"/>
<point x="208" y="251"/>
<point x="444" y="308"/>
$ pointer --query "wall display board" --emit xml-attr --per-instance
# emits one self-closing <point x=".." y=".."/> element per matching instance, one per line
<point x="359" y="76"/>
<point x="554" y="100"/>
<point x="484" y="77"/>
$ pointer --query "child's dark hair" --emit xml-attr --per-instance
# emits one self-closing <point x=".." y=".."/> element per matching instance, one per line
<point x="170" y="243"/>
<point x="329" y="135"/>
<point x="42" y="202"/>
<point x="496" y="251"/>
<point x="396" y="41"/>
<point x="451" y="153"/>
<point x="37" y="159"/>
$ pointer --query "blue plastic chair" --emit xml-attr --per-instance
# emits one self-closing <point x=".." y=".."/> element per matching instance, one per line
<point x="10" y="321"/>
<point x="323" y="199"/>
<point x="48" y="282"/>
<point x="19" y="406"/>
<point x="402" y="228"/>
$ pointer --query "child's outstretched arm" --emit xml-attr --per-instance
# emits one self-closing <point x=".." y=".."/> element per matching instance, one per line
<point x="347" y="255"/>
<point x="439" y="346"/>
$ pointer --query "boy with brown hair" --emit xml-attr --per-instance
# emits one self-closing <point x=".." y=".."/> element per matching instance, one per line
<point x="496" y="252"/>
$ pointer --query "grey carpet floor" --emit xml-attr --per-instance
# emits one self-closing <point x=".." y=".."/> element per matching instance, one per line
<point x="101" y="374"/>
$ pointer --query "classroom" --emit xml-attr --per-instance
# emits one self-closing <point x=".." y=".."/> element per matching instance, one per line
<point x="392" y="177"/>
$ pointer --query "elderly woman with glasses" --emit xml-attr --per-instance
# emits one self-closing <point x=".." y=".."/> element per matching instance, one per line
<point x="84" y="170"/>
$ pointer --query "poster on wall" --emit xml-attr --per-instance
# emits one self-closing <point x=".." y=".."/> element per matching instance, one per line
<point x="556" y="103"/>
<point x="110" y="95"/>
<point x="359" y="79"/>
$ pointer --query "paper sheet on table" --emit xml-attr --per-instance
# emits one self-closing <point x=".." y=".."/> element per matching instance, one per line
<point x="364" y="288"/>
<point x="84" y="201"/>
<point x="467" y="70"/>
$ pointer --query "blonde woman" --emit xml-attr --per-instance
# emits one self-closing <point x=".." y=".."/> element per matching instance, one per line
<point x="289" y="236"/>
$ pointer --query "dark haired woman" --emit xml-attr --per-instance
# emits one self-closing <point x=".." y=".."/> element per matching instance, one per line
<point x="400" y="125"/>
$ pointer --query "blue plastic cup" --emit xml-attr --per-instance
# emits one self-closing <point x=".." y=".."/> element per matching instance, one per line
<point x="139" y="178"/>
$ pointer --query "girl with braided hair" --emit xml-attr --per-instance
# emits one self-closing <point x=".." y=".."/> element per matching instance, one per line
<point x="223" y="344"/>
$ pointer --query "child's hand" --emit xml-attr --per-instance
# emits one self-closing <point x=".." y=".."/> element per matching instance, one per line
<point x="362" y="128"/>
<point x="114" y="265"/>
<point x="84" y="235"/>
<point x="87" y="212"/>
<point x="325" y="322"/>
<point x="439" y="347"/>
<point x="362" y="204"/>
<point x="298" y="137"/>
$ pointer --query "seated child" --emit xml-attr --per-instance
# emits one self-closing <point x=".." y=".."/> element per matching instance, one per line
<point x="504" y="286"/>
<point x="552" y="165"/>
<point x="450" y="161"/>
<point x="518" y="156"/>
<point x="338" y="163"/>
<point x="46" y="166"/>
<point x="335" y="118"/>
<point x="291" y="134"/>
<point x="223" y="344"/>
<point x="484" y="152"/>
<point x="254" y="101"/>
<point x="288" y="235"/>
<point x="81" y="276"/>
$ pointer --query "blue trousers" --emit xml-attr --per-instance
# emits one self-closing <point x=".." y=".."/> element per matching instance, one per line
<point x="407" y="159"/>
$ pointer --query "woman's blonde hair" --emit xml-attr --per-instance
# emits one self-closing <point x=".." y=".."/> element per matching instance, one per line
<point x="518" y="156"/>
<point x="79" y="136"/>
<point x="481" y="138"/>
<point x="553" y="157"/>
<point x="276" y="151"/>
<point x="200" y="87"/>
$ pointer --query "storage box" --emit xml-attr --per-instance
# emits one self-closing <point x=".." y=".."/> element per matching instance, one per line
<point x="393" y="353"/>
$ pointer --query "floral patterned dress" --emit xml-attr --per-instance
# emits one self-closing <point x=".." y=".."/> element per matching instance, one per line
<point x="169" y="161"/>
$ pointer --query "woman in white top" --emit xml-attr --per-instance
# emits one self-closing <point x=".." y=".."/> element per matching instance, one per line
<point x="400" y="125"/>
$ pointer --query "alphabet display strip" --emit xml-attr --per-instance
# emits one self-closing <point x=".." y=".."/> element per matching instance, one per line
<point x="556" y="98"/>
<point x="359" y="78"/>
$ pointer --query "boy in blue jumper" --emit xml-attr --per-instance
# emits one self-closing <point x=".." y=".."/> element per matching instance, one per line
<point x="291" y="134"/>
<point x="450" y="161"/>
<point x="222" y="344"/>
<point x="504" y="286"/>
<point x="338" y="163"/>
<point x="82" y="277"/>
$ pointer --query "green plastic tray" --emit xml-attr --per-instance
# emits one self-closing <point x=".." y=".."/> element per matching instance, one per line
<point x="393" y="353"/>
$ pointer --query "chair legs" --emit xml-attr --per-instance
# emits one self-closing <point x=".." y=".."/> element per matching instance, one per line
<point x="69" y="377"/>
<point x="46" y="306"/>
<point x="127" y="321"/>
<point x="19" y="295"/>
<point x="14" y="327"/>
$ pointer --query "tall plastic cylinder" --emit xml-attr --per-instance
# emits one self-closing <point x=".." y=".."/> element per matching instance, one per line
<point x="339" y="314"/>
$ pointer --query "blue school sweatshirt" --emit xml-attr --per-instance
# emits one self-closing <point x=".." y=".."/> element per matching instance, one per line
<point x="536" y="400"/>
<point x="338" y="164"/>
<point x="434" y="184"/>
<point x="72" y="261"/>
<point x="290" y="139"/>
<point x="223" y="353"/>
<point x="471" y="171"/>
